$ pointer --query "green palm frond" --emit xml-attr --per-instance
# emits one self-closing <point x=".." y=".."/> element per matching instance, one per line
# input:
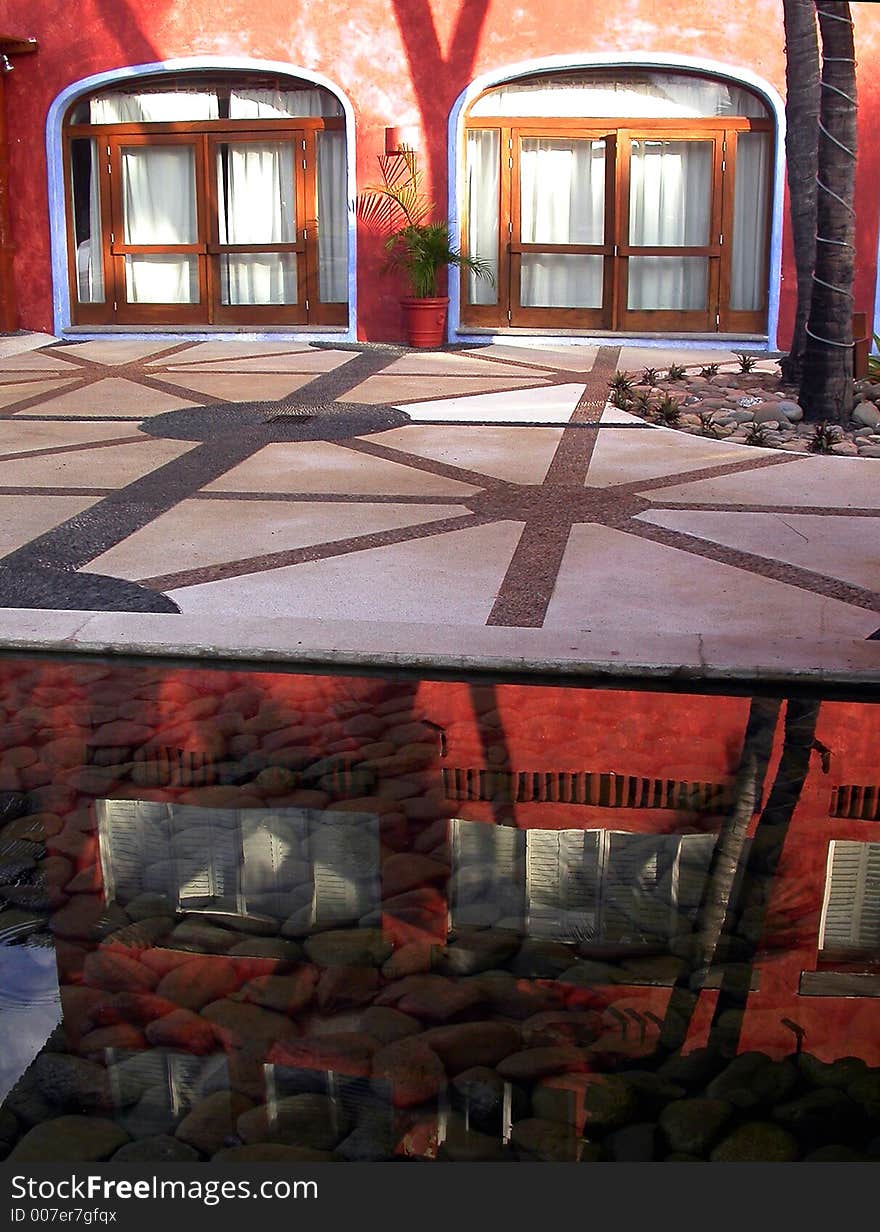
<point x="418" y="247"/>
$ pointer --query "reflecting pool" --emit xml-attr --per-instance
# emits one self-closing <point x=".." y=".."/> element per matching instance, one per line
<point x="267" y="916"/>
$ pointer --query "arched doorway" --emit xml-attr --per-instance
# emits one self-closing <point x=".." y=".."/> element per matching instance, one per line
<point x="208" y="198"/>
<point x="627" y="199"/>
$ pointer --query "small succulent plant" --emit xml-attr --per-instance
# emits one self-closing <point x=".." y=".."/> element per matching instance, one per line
<point x="824" y="435"/>
<point x="621" y="383"/>
<point x="757" y="434"/>
<point x="641" y="402"/>
<point x="650" y="376"/>
<point x="708" y="426"/>
<point x="708" y="371"/>
<point x="621" y="399"/>
<point x="668" y="410"/>
<point x="676" y="372"/>
<point x="746" y="362"/>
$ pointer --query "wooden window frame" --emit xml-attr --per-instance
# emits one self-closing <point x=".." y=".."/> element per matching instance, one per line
<point x="114" y="310"/>
<point x="718" y="317"/>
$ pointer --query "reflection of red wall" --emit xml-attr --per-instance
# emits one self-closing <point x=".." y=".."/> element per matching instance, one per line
<point x="61" y="716"/>
<point x="400" y="62"/>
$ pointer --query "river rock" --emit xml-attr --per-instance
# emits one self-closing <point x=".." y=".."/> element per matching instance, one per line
<point x="547" y="1141"/>
<point x="117" y="973"/>
<point x="475" y="950"/>
<point x="287" y="994"/>
<point x="238" y="1024"/>
<point x="758" y="1142"/>
<point x="307" y="1120"/>
<point x="161" y="1149"/>
<point x="821" y="1117"/>
<point x="195" y="983"/>
<point x="866" y="414"/>
<point x="212" y="1121"/>
<point x="69" y="1139"/>
<point x="271" y="1153"/>
<point x="356" y="947"/>
<point x="753" y="1080"/>
<point x="479" y="1092"/>
<point x="413" y="1070"/>
<point x="387" y="1025"/>
<point x="342" y="988"/>
<point x="694" y="1125"/>
<point x="465" y="1045"/>
<point x="350" y="1053"/>
<point x="183" y="1030"/>
<point x="531" y="1064"/>
<point x="635" y="1144"/>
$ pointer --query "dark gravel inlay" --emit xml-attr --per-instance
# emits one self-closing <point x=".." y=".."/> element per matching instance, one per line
<point x="46" y="587"/>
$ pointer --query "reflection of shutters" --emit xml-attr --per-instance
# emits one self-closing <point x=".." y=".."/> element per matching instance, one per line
<point x="487" y="886"/>
<point x="694" y="858"/>
<point x="638" y="887"/>
<point x="344" y="850"/>
<point x="562" y="884"/>
<point x="851" y="918"/>
<point x="170" y="1083"/>
<point x="273" y="844"/>
<point x="207" y="853"/>
<point x="134" y="842"/>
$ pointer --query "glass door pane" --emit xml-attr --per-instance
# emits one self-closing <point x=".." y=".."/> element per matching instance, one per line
<point x="483" y="176"/>
<point x="87" y="232"/>
<point x="256" y="207"/>
<point x="669" y="241"/>
<point x="748" y="275"/>
<point x="562" y="202"/>
<point x="159" y="209"/>
<point x="332" y="217"/>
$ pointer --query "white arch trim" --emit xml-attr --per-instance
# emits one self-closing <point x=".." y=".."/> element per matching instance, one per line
<point x="55" y="161"/>
<point x="575" y="60"/>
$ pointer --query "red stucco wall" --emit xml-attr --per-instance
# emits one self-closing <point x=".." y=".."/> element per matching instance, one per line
<point x="399" y="62"/>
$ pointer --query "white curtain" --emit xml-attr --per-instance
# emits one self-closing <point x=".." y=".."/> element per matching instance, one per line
<point x="483" y="187"/>
<point x="748" y="272"/>
<point x="159" y="107"/>
<point x="670" y="203"/>
<point x="623" y="93"/>
<point x="562" y="201"/>
<point x="89" y="258"/>
<point x="257" y="205"/>
<point x="332" y="217"/>
<point x="159" y="203"/>
<point x="281" y="104"/>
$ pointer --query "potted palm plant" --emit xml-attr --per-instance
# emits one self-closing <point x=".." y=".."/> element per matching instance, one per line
<point x="417" y="245"/>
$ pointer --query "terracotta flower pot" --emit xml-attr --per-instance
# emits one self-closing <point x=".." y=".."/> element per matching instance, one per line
<point x="425" y="321"/>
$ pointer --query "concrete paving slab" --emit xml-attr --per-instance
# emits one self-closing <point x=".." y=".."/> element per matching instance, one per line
<point x="841" y="483"/>
<point x="116" y="351"/>
<point x="24" y="517"/>
<point x="499" y="451"/>
<point x="553" y="405"/>
<point x="451" y="579"/>
<point x="22" y="391"/>
<point x="113" y="396"/>
<point x="609" y="578"/>
<point x="404" y="390"/>
<point x="628" y="456"/>
<point x="197" y="533"/>
<point x="839" y="547"/>
<point x="319" y="466"/>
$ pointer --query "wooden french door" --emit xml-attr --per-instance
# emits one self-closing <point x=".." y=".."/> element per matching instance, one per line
<point x="625" y="230"/>
<point x="562" y="229"/>
<point x="210" y="228"/>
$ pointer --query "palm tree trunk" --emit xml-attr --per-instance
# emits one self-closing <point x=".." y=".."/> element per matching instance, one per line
<point x="826" y="388"/>
<point x="801" y="162"/>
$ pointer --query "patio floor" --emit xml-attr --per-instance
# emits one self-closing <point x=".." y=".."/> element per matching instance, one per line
<point x="490" y="488"/>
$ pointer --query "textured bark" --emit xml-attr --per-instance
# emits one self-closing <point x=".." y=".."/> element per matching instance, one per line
<point x="801" y="162"/>
<point x="826" y="387"/>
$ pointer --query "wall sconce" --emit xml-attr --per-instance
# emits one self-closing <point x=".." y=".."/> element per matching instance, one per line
<point x="401" y="138"/>
<point x="5" y="64"/>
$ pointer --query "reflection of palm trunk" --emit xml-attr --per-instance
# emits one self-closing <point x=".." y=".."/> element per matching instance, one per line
<point x="763" y="859"/>
<point x="704" y="945"/>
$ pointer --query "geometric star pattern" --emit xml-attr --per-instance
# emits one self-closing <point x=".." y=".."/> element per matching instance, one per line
<point x="491" y="485"/>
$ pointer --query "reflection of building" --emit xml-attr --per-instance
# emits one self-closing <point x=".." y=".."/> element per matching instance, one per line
<point x="369" y="914"/>
<point x="618" y="171"/>
<point x="297" y="868"/>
